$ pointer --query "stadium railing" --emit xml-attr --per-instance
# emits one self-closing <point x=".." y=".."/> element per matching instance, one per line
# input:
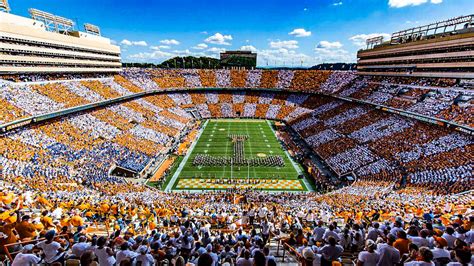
<point x="10" y="255"/>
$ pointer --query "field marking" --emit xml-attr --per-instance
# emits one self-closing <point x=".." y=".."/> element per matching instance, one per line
<point x="267" y="184"/>
<point x="189" y="172"/>
<point x="183" y="162"/>
<point x="298" y="170"/>
<point x="250" y="148"/>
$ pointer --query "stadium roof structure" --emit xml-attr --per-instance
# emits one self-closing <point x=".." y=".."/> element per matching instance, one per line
<point x="440" y="27"/>
<point x="52" y="22"/>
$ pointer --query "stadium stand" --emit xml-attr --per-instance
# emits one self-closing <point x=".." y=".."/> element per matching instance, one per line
<point x="406" y="140"/>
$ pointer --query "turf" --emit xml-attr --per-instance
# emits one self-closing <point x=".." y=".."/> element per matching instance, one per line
<point x="171" y="172"/>
<point x="262" y="141"/>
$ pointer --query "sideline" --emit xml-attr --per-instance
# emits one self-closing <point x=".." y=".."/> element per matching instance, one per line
<point x="183" y="162"/>
<point x="298" y="169"/>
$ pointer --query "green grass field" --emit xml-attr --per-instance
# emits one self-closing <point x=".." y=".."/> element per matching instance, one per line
<point x="214" y="141"/>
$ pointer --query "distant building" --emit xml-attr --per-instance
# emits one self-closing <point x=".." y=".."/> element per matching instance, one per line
<point x="238" y="60"/>
<point x="47" y="43"/>
<point x="440" y="50"/>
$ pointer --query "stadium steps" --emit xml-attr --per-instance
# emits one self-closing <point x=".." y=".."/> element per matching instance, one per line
<point x="289" y="259"/>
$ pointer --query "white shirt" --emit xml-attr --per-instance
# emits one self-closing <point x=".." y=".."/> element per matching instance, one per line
<point x="146" y="259"/>
<point x="470" y="236"/>
<point x="440" y="253"/>
<point x="450" y="239"/>
<point x="244" y="262"/>
<point x="318" y="233"/>
<point x="25" y="259"/>
<point x="79" y="248"/>
<point x="419" y="263"/>
<point x="215" y="258"/>
<point x="123" y="254"/>
<point x="50" y="250"/>
<point x="104" y="258"/>
<point x="369" y="259"/>
<point x="388" y="255"/>
<point x="329" y="233"/>
<point x="419" y="241"/>
<point x="374" y="233"/>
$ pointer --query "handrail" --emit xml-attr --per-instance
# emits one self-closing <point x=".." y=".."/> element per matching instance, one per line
<point x="293" y="251"/>
<point x="9" y="254"/>
<point x="51" y="115"/>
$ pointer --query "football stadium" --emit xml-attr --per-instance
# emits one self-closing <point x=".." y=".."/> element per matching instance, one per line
<point x="107" y="158"/>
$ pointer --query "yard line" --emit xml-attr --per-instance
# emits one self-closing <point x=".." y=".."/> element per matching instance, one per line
<point x="226" y="148"/>
<point x="183" y="163"/>
<point x="250" y="148"/>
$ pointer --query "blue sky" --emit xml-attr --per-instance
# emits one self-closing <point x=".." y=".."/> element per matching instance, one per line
<point x="290" y="33"/>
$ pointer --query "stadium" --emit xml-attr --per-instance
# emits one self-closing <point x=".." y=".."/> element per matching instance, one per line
<point x="104" y="164"/>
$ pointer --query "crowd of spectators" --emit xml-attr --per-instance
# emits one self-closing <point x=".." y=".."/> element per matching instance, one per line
<point x="352" y="138"/>
<point x="367" y="223"/>
<point x="55" y="182"/>
<point x="336" y="131"/>
<point x="431" y="97"/>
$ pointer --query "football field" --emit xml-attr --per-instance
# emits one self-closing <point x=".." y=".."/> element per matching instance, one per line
<point x="238" y="153"/>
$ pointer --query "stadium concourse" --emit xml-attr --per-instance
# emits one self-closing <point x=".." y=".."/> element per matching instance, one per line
<point x="412" y="200"/>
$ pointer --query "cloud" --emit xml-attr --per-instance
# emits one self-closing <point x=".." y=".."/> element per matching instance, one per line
<point x="160" y="56"/>
<point x="337" y="3"/>
<point x="156" y="55"/>
<point x="159" y="47"/>
<point x="219" y="39"/>
<point x="332" y="52"/>
<point x="328" y="45"/>
<point x="282" y="56"/>
<point x="170" y="42"/>
<point x="300" y="33"/>
<point x="359" y="39"/>
<point x="291" y="44"/>
<point x="404" y="3"/>
<point x="248" y="48"/>
<point x="186" y="52"/>
<point x="334" y="56"/>
<point x="200" y="46"/>
<point x="133" y="43"/>
<point x="215" y="50"/>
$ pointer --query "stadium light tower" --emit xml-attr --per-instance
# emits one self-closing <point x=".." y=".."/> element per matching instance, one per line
<point x="372" y="42"/>
<point x="92" y="29"/>
<point x="52" y="22"/>
<point x="4" y="6"/>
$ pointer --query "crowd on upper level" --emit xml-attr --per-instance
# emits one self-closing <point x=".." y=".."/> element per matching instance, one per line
<point x="441" y="98"/>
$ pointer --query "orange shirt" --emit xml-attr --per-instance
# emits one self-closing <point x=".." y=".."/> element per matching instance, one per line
<point x="402" y="245"/>
<point x="47" y="222"/>
<point x="10" y="236"/>
<point x="104" y="207"/>
<point x="77" y="221"/>
<point x="26" y="229"/>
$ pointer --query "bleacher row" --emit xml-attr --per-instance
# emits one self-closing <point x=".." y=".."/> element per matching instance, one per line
<point x="440" y="98"/>
<point x="84" y="146"/>
<point x="431" y="97"/>
<point x="349" y="137"/>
